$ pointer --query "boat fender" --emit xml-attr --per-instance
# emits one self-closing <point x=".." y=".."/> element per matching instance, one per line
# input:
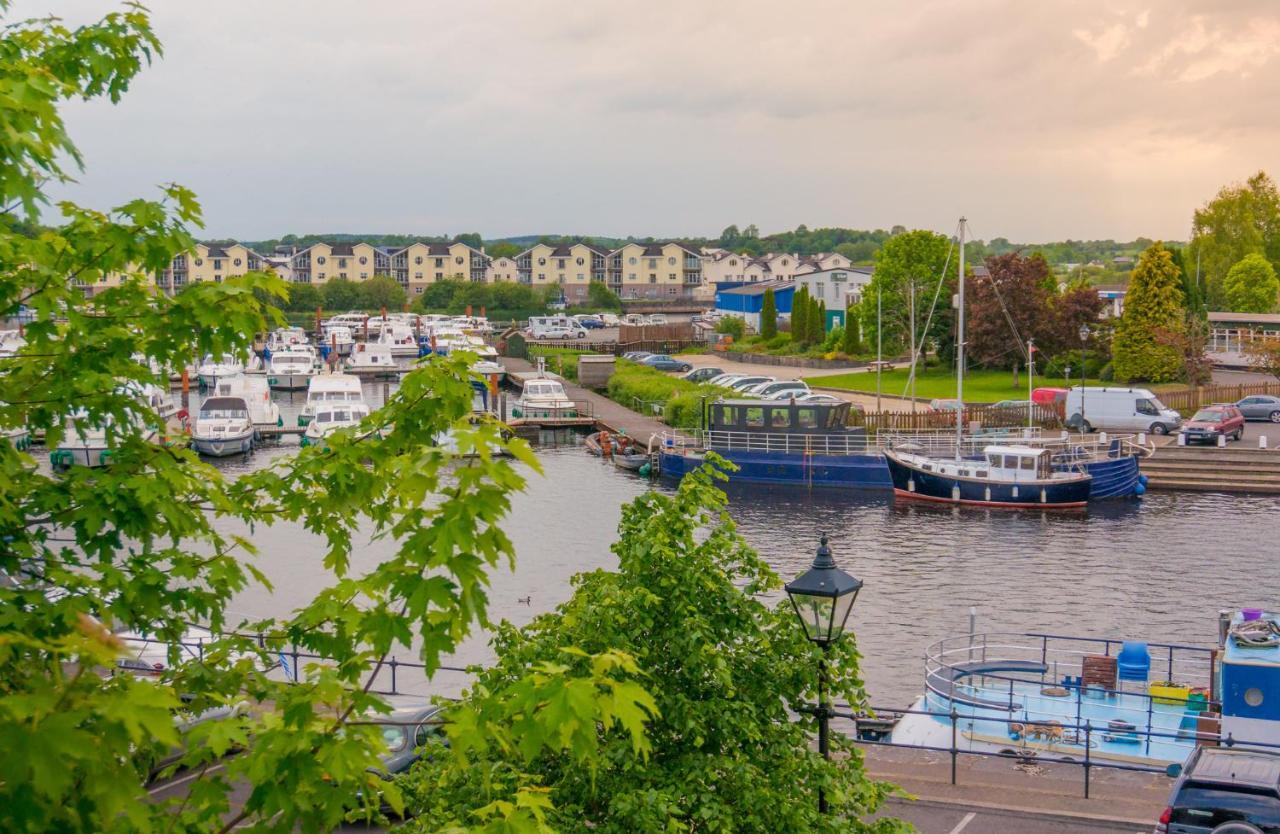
<point x="1143" y="479"/>
<point x="1139" y="489"/>
<point x="645" y="470"/>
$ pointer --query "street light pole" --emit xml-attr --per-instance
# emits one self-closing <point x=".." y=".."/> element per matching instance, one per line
<point x="823" y="714"/>
<point x="1084" y="370"/>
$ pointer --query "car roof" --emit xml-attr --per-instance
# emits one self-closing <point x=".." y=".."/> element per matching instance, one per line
<point x="1249" y="768"/>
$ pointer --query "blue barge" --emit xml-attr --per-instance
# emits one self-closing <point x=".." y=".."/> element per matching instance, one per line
<point x="810" y="445"/>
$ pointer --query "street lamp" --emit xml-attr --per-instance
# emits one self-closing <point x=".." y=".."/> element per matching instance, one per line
<point x="1084" y="368"/>
<point x="822" y="598"/>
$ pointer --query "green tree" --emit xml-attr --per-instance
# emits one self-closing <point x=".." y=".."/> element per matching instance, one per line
<point x="726" y="671"/>
<point x="852" y="344"/>
<point x="1154" y="317"/>
<point x="472" y="239"/>
<point x="381" y="292"/>
<point x="601" y="297"/>
<point x="733" y="326"/>
<point x="438" y="295"/>
<point x="768" y="315"/>
<point x="799" y="316"/>
<point x="148" y="543"/>
<point x="341" y="295"/>
<point x="1251" y="286"/>
<point x="1243" y="219"/>
<point x="922" y="257"/>
<point x="304" y="298"/>
<point x="503" y="249"/>
<point x="819" y="325"/>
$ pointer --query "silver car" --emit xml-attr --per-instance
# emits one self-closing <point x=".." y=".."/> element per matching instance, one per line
<point x="1260" y="407"/>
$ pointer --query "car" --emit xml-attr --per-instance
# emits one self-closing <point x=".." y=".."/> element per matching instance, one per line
<point x="768" y="389"/>
<point x="785" y="394"/>
<point x="1023" y="404"/>
<point x="944" y="405"/>
<point x="702" y="374"/>
<point x="824" y="398"/>
<point x="609" y="320"/>
<point x="724" y="380"/>
<point x="666" y="363"/>
<point x="1212" y="422"/>
<point x="1260" y="407"/>
<point x="1225" y="789"/>
<point x="743" y="383"/>
<point x="636" y="355"/>
<point x="634" y="319"/>
<point x="657" y="318"/>
<point x="590" y="323"/>
<point x="563" y="333"/>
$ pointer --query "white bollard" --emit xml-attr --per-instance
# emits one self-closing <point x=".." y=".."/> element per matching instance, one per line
<point x="1262" y="442"/>
<point x="1026" y="434"/>
<point x="1065" y="434"/>
<point x="1182" y="439"/>
<point x="1222" y="441"/>
<point x="1102" y="438"/>
<point x="1142" y="438"/>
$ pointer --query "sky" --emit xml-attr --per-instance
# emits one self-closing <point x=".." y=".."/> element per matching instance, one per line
<point x="1038" y="120"/>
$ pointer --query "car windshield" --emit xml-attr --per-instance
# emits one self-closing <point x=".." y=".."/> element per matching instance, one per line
<point x="1208" y="415"/>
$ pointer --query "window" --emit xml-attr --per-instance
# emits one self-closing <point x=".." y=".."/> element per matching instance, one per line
<point x="237" y="262"/>
<point x="780" y="418"/>
<point x="580" y="276"/>
<point x="653" y="263"/>
<point x="320" y="276"/>
<point x="631" y="276"/>
<point x="653" y="279"/>
<point x="671" y="276"/>
<point x="320" y="259"/>
<point x="417" y="276"/>
<point x="1010" y="462"/>
<point x="1146" y="407"/>
<point x="542" y="276"/>
<point x="542" y="261"/>
<point x="364" y="276"/>
<point x="342" y="275"/>
<point x="559" y="263"/>
<point x="439" y="261"/>
<point x="418" y="261"/>
<point x="439" y="275"/>
<point x="458" y="260"/>
<point x="806" y="418"/>
<point x="631" y="261"/>
<point x="581" y="261"/>
<point x="363" y="260"/>
<point x="819" y="290"/>
<point x="755" y="418"/>
<point x="199" y="262"/>
<point x="671" y="261"/>
<point x="1028" y="463"/>
<point x="672" y="290"/>
<point x="217" y="279"/>
<point x="728" y="416"/>
<point x="342" y="263"/>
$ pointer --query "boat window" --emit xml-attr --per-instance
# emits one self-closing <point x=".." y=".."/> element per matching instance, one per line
<point x="835" y="417"/>
<point x="1010" y="461"/>
<point x="780" y="418"/>
<point x="755" y="418"/>
<point x="979" y="473"/>
<point x="806" y="418"/>
<point x="1028" y="463"/>
<point x="726" y="416"/>
<point x="1045" y="470"/>
<point x="994" y="460"/>
<point x="324" y="417"/>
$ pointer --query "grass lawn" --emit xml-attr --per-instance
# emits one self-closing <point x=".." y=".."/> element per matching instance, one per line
<point x="980" y="386"/>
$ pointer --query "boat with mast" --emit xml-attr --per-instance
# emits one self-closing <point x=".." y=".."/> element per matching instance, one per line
<point x="1002" y="475"/>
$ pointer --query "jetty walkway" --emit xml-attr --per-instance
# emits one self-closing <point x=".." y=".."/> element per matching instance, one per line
<point x="605" y="413"/>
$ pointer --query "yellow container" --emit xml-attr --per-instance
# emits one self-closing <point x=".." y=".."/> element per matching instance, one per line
<point x="1164" y="693"/>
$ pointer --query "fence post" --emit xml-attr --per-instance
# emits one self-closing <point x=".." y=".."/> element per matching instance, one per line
<point x="1088" y="743"/>
<point x="393" y="676"/>
<point x="296" y="676"/>
<point x="955" y="752"/>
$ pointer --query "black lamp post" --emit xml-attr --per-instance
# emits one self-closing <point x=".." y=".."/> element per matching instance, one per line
<point x="1084" y="368"/>
<point x="822" y="597"/>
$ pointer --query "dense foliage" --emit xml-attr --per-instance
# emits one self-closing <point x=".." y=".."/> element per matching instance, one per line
<point x="601" y="297"/>
<point x="726" y="670"/>
<point x="1146" y="344"/>
<point x="500" y="301"/>
<point x="1243" y="219"/>
<point x="851" y="338"/>
<point x="926" y="260"/>
<point x="1251" y="286"/>
<point x="650" y="391"/>
<point x="157" y="540"/>
<point x="768" y="315"/>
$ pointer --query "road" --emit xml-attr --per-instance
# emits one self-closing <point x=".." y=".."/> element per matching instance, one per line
<point x="938" y="818"/>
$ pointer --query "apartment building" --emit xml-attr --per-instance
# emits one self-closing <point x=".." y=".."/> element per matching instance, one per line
<point x="214" y="262"/>
<point x="837" y="287"/>
<point x="822" y="261"/>
<point x="571" y="266"/>
<point x="420" y="264"/>
<point x="502" y="269"/>
<point x="654" y="270"/>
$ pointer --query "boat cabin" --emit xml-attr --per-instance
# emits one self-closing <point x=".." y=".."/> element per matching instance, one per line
<point x="224" y="408"/>
<point x="1018" y="463"/>
<point x="778" y="417"/>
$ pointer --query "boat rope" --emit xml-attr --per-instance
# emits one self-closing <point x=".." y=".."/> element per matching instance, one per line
<point x="1256" y="634"/>
<point x="942" y="277"/>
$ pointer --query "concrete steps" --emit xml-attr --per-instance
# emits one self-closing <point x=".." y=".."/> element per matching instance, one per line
<point x="1213" y="469"/>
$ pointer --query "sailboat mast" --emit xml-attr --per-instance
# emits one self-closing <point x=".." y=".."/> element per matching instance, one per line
<point x="960" y="351"/>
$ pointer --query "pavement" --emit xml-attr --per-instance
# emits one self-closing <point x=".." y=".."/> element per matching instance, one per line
<point x="783" y="372"/>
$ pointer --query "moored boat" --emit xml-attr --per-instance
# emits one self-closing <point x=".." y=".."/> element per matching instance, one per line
<point x="327" y="389"/>
<point x="292" y="368"/>
<point x="223" y="427"/>
<point x="263" y="411"/>
<point x="214" y="368"/>
<point x="372" y="359"/>
<point x="1006" y="475"/>
<point x="543" y="398"/>
<point x="331" y="417"/>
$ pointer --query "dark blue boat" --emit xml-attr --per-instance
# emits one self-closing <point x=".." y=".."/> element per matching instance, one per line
<point x="1005" y="475"/>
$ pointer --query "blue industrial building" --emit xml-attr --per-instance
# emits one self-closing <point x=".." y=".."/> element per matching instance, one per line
<point x="746" y="300"/>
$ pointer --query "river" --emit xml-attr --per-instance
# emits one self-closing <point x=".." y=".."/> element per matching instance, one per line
<point x="1158" y="568"/>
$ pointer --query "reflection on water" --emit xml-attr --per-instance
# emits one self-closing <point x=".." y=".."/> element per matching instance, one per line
<point x="1158" y="568"/>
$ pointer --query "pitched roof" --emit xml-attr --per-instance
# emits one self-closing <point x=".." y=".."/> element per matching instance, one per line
<point x="759" y="287"/>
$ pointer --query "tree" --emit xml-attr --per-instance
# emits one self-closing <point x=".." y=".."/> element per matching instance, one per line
<point x="304" y="297"/>
<point x="503" y="249"/>
<point x="1075" y="306"/>
<point x="1153" y="303"/>
<point x="733" y="326"/>
<point x="768" y="316"/>
<point x="799" y="312"/>
<point x="472" y="239"/>
<point x="600" y="296"/>
<point x="341" y="295"/>
<point x="1251" y="286"/>
<point x="1244" y="219"/>
<point x="1264" y="355"/>
<point x="818" y="322"/>
<point x="381" y="292"/>
<point x="1006" y="308"/>
<point x="726" y="671"/>
<point x="852" y="344"/>
<point x="923" y="258"/>
<point x="146" y="543"/>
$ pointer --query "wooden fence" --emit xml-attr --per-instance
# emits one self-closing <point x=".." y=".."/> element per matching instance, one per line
<point x="677" y="331"/>
<point x="616" y="348"/>
<point x="981" y="417"/>
<point x="1187" y="400"/>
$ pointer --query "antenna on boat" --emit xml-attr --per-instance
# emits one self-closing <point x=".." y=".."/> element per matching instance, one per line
<point x="960" y="350"/>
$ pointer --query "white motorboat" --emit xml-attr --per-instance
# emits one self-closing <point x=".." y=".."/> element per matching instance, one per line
<point x="331" y="417"/>
<point x="223" y="427"/>
<point x="291" y="369"/>
<point x="11" y="342"/>
<point x="214" y="368"/>
<point x="285" y="338"/>
<point x="88" y="444"/>
<point x="329" y="389"/>
<point x="488" y="368"/>
<point x="544" y="398"/>
<point x="400" y="338"/>
<point x="372" y="359"/>
<point x="353" y="321"/>
<point x="263" y="411"/>
<point x="339" y="340"/>
<point x="19" y="438"/>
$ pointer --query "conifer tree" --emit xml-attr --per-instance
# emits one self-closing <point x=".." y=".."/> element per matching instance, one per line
<point x="820" y="323"/>
<point x="799" y="309"/>
<point x="852" y="343"/>
<point x="1154" y="311"/>
<point x="769" y="316"/>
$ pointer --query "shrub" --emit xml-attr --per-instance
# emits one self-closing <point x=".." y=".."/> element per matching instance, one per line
<point x="1107" y="373"/>
<point x="833" y="340"/>
<point x="684" y="411"/>
<point x="734" y="326"/>
<point x="639" y="387"/>
<point x="562" y="361"/>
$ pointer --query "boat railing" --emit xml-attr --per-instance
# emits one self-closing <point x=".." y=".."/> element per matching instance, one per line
<point x="989" y="673"/>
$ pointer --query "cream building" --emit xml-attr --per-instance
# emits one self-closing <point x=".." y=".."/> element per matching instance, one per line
<point x="655" y="270"/>
<point x="214" y="262"/>
<point x="821" y="261"/>
<point x="420" y="264"/>
<point x="571" y="266"/>
<point x="502" y="269"/>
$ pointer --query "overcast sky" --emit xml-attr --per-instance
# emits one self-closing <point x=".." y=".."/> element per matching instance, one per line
<point x="1039" y="120"/>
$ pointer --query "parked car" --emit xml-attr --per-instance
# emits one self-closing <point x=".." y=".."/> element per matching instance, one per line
<point x="725" y="380"/>
<point x="634" y="318"/>
<point x="1119" y="409"/>
<point x="609" y="320"/>
<point x="590" y="323"/>
<point x="768" y="389"/>
<point x="1260" y="407"/>
<point x="666" y="363"/>
<point x="657" y="318"/>
<point x="1212" y="422"/>
<point x="1021" y="405"/>
<point x="743" y="383"/>
<point x="824" y="398"/>
<point x="944" y="405"/>
<point x="1224" y="789"/>
<point x="636" y="355"/>
<point x="564" y="333"/>
<point x="702" y="374"/>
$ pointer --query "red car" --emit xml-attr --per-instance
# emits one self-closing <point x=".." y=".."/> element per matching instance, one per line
<point x="1214" y="421"/>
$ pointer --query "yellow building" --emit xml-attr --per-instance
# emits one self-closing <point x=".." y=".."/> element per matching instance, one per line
<point x="324" y="262"/>
<point x="655" y="270"/>
<point x="502" y="269"/>
<point x="210" y="262"/>
<point x="570" y="266"/>
<point x="420" y="264"/>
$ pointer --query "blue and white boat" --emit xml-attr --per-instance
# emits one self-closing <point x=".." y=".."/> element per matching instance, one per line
<point x="1125" y="701"/>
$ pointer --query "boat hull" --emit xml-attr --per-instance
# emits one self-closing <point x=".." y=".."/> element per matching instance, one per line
<point x="840" y="471"/>
<point x="288" y="382"/>
<point x="909" y="482"/>
<point x="223" y="446"/>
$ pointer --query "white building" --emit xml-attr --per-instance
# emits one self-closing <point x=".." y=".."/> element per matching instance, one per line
<point x="837" y="288"/>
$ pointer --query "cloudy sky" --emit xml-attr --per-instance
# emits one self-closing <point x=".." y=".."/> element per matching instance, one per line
<point x="1039" y="120"/>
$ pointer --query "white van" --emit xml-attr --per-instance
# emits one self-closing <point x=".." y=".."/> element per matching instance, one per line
<point x="1120" y="409"/>
<point x="540" y="326"/>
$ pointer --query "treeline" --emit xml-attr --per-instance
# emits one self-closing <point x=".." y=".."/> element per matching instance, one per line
<point x="268" y="246"/>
